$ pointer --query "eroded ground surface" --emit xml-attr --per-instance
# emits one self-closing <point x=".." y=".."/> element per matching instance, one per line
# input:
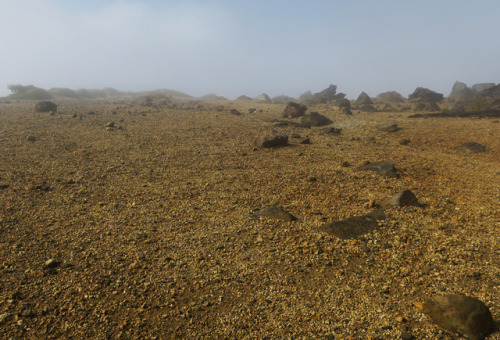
<point x="152" y="228"/>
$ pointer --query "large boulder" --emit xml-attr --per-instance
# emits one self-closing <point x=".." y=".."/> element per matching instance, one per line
<point x="306" y="96"/>
<point x="282" y="99"/>
<point x="263" y="98"/>
<point x="482" y="86"/>
<point x="45" y="106"/>
<point x="390" y="97"/>
<point x="315" y="119"/>
<point x="294" y="110"/>
<point x="364" y="99"/>
<point x="423" y="95"/>
<point x="327" y="95"/>
<point x="344" y="106"/>
<point x="465" y="315"/>
<point x="460" y="92"/>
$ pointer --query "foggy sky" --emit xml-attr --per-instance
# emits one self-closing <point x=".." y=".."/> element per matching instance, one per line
<point x="232" y="48"/>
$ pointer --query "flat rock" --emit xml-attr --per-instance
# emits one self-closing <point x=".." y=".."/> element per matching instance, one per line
<point x="403" y="198"/>
<point x="460" y="314"/>
<point x="382" y="167"/>
<point x="471" y="147"/>
<point x="331" y="130"/>
<point x="275" y="213"/>
<point x="390" y="126"/>
<point x="352" y="227"/>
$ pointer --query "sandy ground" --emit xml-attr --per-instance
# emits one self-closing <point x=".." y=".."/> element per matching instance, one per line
<point x="152" y="232"/>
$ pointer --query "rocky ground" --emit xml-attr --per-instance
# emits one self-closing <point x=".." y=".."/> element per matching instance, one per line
<point x="147" y="228"/>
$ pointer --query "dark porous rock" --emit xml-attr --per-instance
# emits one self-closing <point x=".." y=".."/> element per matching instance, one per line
<point x="235" y="112"/>
<point x="390" y="126"/>
<point x="294" y="110"/>
<point x="275" y="213"/>
<point x="403" y="198"/>
<point x="467" y="316"/>
<point x="471" y="147"/>
<point x="315" y="119"/>
<point x="252" y="110"/>
<point x="305" y="141"/>
<point x="382" y="167"/>
<point x="404" y="141"/>
<point x="331" y="130"/>
<point x="352" y="227"/>
<point x="31" y="138"/>
<point x="45" y="107"/>
<point x="273" y="140"/>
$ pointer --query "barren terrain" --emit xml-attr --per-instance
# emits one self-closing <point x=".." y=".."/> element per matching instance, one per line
<point x="152" y="232"/>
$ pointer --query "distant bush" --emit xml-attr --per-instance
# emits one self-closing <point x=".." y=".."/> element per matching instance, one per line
<point x="29" y="92"/>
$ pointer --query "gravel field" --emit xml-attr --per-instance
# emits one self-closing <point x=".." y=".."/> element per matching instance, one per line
<point x="147" y="228"/>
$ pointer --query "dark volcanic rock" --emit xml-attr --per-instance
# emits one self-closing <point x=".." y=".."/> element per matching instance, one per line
<point x="294" y="110"/>
<point x="471" y="147"/>
<point x="45" y="107"/>
<point x="315" y="119"/>
<point x="424" y="95"/>
<point x="390" y="126"/>
<point x="352" y="227"/>
<point x="273" y="140"/>
<point x="275" y="213"/>
<point x="382" y="167"/>
<point x="467" y="316"/>
<point x="363" y="99"/>
<point x="403" y="198"/>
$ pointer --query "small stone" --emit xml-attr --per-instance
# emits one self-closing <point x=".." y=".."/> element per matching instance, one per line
<point x="404" y="141"/>
<point x="275" y="213"/>
<point x="31" y="138"/>
<point x="390" y="126"/>
<point x="407" y="336"/>
<point x="110" y="124"/>
<point x="4" y="317"/>
<point x="403" y="198"/>
<point x="51" y="263"/>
